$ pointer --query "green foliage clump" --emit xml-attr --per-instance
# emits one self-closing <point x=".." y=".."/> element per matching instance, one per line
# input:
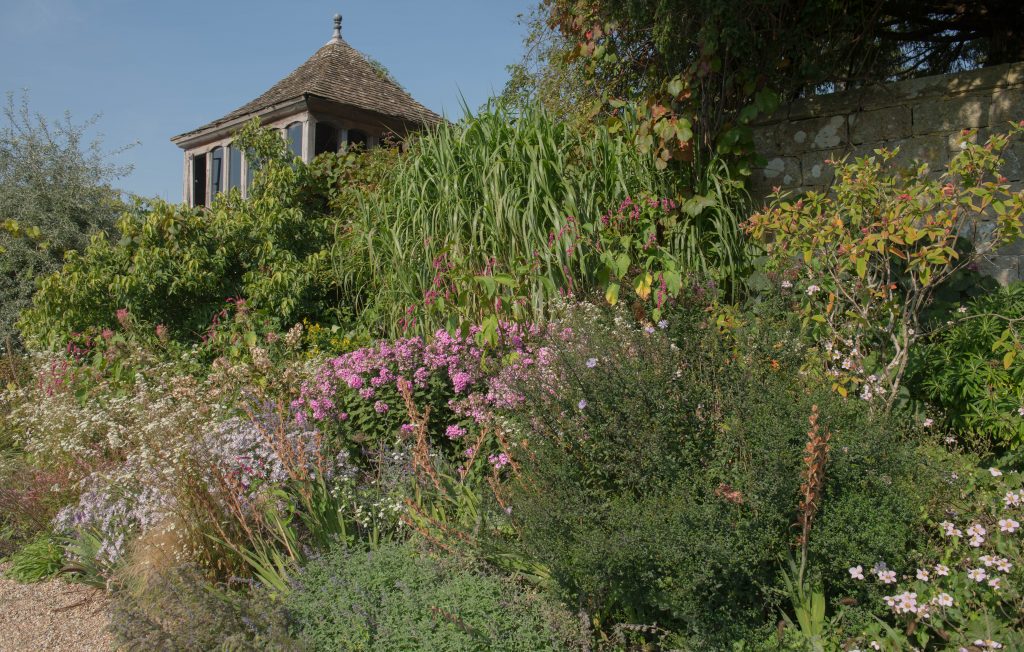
<point x="663" y="475"/>
<point x="39" y="560"/>
<point x="484" y="197"/>
<point x="395" y="598"/>
<point x="177" y="266"/>
<point x="55" y="191"/>
<point x="496" y="215"/>
<point x="969" y="369"/>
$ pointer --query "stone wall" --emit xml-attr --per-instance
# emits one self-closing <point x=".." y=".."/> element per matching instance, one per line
<point x="922" y="116"/>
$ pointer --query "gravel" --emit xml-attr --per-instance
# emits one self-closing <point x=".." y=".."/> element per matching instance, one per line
<point x="53" y="615"/>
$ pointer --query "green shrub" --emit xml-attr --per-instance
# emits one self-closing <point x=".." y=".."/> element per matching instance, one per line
<point x="181" y="610"/>
<point x="968" y="369"/>
<point x="867" y="260"/>
<point x="177" y="266"/>
<point x="39" y="560"/>
<point x="397" y="598"/>
<point x="663" y="472"/>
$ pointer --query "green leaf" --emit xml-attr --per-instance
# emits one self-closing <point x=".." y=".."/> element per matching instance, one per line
<point x="611" y="295"/>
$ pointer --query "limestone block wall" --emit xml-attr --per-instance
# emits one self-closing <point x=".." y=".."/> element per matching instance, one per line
<point x="922" y="116"/>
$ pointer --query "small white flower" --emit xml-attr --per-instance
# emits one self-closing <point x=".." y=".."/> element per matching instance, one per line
<point x="922" y="574"/>
<point x="875" y="645"/>
<point x="995" y="472"/>
<point x="994" y="583"/>
<point x="928" y="422"/>
<point x="857" y="572"/>
<point x="962" y="309"/>
<point x="941" y="569"/>
<point x="963" y="144"/>
<point x="977" y="574"/>
<point x="812" y="290"/>
<point x="787" y="284"/>
<point x="944" y="600"/>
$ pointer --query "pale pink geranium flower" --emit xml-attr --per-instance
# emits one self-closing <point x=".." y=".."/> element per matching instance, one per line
<point x="922" y="574"/>
<point x="976" y="541"/>
<point x="1004" y="565"/>
<point x="857" y="572"/>
<point x="1008" y="525"/>
<point x="977" y="574"/>
<point x="887" y="577"/>
<point x="995" y="583"/>
<point x="906" y="602"/>
<point x="988" y="560"/>
<point x="977" y="529"/>
<point x="995" y="472"/>
<point x="944" y="600"/>
<point x="928" y="422"/>
<point x="1013" y="498"/>
<point x="941" y="569"/>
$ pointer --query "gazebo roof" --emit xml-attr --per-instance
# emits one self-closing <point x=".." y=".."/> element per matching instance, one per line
<point x="337" y="73"/>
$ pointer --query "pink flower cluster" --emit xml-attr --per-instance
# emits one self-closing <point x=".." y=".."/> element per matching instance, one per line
<point x="456" y="358"/>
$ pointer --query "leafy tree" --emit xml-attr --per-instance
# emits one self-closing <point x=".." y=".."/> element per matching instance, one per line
<point x="702" y="69"/>
<point x="55" y="191"/>
<point x="545" y="75"/>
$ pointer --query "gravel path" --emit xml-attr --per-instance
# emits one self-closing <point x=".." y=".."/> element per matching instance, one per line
<point x="52" y="615"/>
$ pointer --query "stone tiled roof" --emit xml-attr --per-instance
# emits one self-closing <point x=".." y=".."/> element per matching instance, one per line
<point x="339" y="73"/>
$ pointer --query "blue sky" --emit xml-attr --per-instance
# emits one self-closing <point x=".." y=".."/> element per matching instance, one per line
<point x="156" y="68"/>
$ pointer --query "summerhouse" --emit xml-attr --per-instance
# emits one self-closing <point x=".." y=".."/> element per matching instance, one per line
<point x="335" y="99"/>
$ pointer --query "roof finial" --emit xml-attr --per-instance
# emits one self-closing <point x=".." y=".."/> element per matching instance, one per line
<point x="337" y="28"/>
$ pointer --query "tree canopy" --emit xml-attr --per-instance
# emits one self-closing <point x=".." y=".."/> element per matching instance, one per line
<point x="700" y="70"/>
<point x="56" y="189"/>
